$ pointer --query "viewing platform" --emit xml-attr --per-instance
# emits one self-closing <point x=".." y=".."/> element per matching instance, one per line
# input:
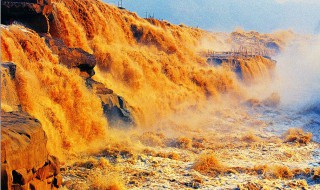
<point x="217" y="58"/>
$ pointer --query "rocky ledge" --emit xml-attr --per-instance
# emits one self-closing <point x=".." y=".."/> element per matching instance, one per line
<point x="115" y="108"/>
<point x="72" y="57"/>
<point x="25" y="162"/>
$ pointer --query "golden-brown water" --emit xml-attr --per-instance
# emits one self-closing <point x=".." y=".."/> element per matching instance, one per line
<point x="154" y="65"/>
<point x="158" y="74"/>
<point x="159" y="70"/>
<point x="184" y="108"/>
<point x="71" y="116"/>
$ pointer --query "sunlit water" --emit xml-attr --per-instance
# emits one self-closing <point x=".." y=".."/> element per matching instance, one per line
<point x="281" y="119"/>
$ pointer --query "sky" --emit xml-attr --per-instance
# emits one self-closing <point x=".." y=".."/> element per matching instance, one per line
<point x="302" y="16"/>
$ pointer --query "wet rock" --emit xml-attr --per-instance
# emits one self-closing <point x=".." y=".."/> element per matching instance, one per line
<point x="137" y="32"/>
<point x="9" y="96"/>
<point x="6" y="176"/>
<point x="72" y="57"/>
<point x="44" y="173"/>
<point x="34" y="14"/>
<point x="57" y="182"/>
<point x="22" y="176"/>
<point x="54" y="164"/>
<point x="25" y="162"/>
<point x="10" y="69"/>
<point x="115" y="108"/>
<point x="246" y="66"/>
<point x="117" y="111"/>
<point x="38" y="184"/>
<point x="235" y="63"/>
<point x="23" y="142"/>
<point x="97" y="87"/>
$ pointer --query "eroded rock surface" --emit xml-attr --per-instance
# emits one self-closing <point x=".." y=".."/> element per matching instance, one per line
<point x="249" y="68"/>
<point x="72" y="57"/>
<point x="25" y="162"/>
<point x="116" y="109"/>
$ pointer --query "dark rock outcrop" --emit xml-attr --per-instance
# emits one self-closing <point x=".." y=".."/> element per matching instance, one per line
<point x="25" y="162"/>
<point x="72" y="57"/>
<point x="11" y="69"/>
<point x="137" y="32"/>
<point x="115" y="108"/>
<point x="9" y="96"/>
<point x="234" y="63"/>
<point x="248" y="67"/>
<point x="34" y="14"/>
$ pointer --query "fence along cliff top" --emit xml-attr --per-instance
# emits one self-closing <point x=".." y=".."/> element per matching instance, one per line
<point x="216" y="58"/>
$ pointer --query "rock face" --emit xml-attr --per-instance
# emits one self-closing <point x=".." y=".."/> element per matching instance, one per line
<point x="115" y="108"/>
<point x="25" y="162"/>
<point x="10" y="69"/>
<point x="249" y="68"/>
<point x="9" y="97"/>
<point x="32" y="13"/>
<point x="72" y="57"/>
<point x="236" y="65"/>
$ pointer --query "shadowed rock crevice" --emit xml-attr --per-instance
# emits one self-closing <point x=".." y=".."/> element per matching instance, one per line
<point x="35" y="14"/>
<point x="11" y="69"/>
<point x="9" y="97"/>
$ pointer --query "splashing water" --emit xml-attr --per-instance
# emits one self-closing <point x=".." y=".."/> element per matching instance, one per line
<point x="299" y="73"/>
<point x="71" y="116"/>
<point x="154" y="65"/>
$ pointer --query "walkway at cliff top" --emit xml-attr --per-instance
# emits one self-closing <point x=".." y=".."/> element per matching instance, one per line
<point x="217" y="58"/>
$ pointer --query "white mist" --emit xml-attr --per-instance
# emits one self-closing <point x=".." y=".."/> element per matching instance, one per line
<point x="298" y="73"/>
